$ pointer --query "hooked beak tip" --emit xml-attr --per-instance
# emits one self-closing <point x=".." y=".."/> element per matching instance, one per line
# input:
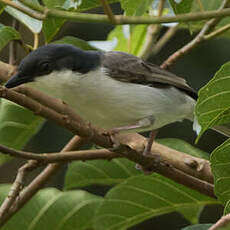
<point x="14" y="81"/>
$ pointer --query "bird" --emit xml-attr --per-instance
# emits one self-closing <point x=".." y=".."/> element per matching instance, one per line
<point x="112" y="90"/>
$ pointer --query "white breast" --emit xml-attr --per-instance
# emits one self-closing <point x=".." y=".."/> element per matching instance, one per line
<point x="108" y="103"/>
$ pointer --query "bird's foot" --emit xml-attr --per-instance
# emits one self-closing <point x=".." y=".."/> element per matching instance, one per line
<point x="147" y="152"/>
<point x="111" y="133"/>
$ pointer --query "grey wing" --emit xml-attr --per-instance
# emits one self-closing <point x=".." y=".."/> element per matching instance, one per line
<point x="128" y="68"/>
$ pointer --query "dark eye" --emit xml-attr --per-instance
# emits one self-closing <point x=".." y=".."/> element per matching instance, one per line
<point x="44" y="67"/>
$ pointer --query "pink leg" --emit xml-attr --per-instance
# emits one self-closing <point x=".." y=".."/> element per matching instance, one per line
<point x="148" y="147"/>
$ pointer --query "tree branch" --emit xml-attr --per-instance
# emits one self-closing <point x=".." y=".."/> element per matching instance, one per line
<point x="16" y="187"/>
<point x="164" y="39"/>
<point x="152" y="34"/>
<point x="46" y="158"/>
<point x="120" y="19"/>
<point x="13" y="45"/>
<point x="108" y="11"/>
<point x="36" y="184"/>
<point x="24" y="10"/>
<point x="221" y="223"/>
<point x="76" y="125"/>
<point x="217" y="32"/>
<point x="197" y="40"/>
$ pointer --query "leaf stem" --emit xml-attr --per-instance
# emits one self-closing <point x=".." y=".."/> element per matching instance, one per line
<point x="108" y="11"/>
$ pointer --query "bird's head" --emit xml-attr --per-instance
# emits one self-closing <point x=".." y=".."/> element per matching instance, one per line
<point x="53" y="58"/>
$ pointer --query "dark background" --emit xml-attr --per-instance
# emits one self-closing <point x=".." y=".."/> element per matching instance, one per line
<point x="197" y="68"/>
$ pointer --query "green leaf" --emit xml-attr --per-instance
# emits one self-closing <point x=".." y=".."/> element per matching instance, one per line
<point x="32" y="24"/>
<point x="129" y="41"/>
<point x="192" y="214"/>
<point x="142" y="197"/>
<point x="198" y="227"/>
<point x="17" y="126"/>
<point x="7" y="34"/>
<point x="80" y="174"/>
<point x="183" y="146"/>
<point x="220" y="162"/>
<point x="76" y="42"/>
<point x="52" y="25"/>
<point x="207" y="5"/>
<point x="100" y="172"/>
<point x="89" y="4"/>
<point x="213" y="105"/>
<point x="182" y="7"/>
<point x="135" y="8"/>
<point x="53" y="209"/>
<point x="2" y="6"/>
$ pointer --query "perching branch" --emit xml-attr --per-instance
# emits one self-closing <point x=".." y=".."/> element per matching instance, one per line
<point x="76" y="125"/>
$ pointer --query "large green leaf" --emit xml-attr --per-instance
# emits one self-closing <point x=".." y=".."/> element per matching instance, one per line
<point x="7" y="34"/>
<point x="213" y="105"/>
<point x="104" y="172"/>
<point x="181" y="7"/>
<point x="220" y="163"/>
<point x="142" y="197"/>
<point x="129" y="39"/>
<point x="2" y="6"/>
<point x="32" y="24"/>
<point x="76" y="42"/>
<point x="53" y="209"/>
<point x="183" y="146"/>
<point x="101" y="172"/>
<point x="17" y="126"/>
<point x="207" y="5"/>
<point x="135" y="8"/>
<point x="52" y="25"/>
<point x="89" y="4"/>
<point x="78" y="5"/>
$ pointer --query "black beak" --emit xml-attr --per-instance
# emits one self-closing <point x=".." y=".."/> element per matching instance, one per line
<point x="15" y="81"/>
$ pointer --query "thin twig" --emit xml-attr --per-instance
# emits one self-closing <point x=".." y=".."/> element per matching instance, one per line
<point x="197" y="40"/>
<point x="36" y="41"/>
<point x="224" y="221"/>
<point x="164" y="39"/>
<point x="46" y="158"/>
<point x="16" y="187"/>
<point x="28" y="192"/>
<point x="13" y="45"/>
<point x="27" y="11"/>
<point x="217" y="32"/>
<point x="200" y="5"/>
<point x="108" y="11"/>
<point x="151" y="35"/>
